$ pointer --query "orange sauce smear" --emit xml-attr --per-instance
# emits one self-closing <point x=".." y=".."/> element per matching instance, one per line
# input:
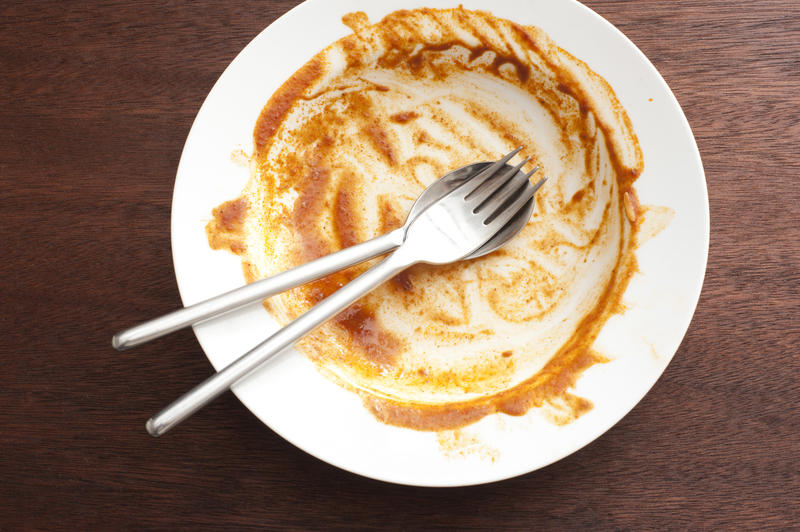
<point x="311" y="177"/>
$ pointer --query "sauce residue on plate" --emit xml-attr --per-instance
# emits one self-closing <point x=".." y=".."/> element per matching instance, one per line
<point x="346" y="145"/>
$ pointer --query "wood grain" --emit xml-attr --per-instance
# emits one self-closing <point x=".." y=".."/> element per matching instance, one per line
<point x="96" y="100"/>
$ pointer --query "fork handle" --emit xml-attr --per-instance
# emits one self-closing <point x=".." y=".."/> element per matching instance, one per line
<point x="326" y="309"/>
<point x="259" y="290"/>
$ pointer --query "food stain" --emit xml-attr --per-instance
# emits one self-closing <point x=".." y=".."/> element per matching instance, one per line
<point x="224" y="230"/>
<point x="460" y="443"/>
<point x="345" y="146"/>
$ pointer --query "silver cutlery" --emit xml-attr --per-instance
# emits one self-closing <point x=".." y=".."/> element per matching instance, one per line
<point x="311" y="271"/>
<point x="464" y="223"/>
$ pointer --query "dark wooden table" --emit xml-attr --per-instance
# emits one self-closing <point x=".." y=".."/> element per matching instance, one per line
<point x="96" y="99"/>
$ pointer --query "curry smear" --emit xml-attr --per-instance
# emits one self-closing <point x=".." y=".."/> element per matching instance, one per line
<point x="346" y="145"/>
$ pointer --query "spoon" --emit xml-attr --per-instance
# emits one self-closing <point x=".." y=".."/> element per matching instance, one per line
<point x="311" y="271"/>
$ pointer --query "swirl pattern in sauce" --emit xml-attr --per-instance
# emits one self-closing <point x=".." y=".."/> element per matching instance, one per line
<point x="346" y="145"/>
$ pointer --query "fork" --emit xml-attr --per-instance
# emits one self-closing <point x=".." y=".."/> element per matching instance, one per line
<point x="447" y="231"/>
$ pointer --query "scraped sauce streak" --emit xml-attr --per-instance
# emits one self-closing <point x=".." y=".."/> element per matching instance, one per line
<point x="344" y="147"/>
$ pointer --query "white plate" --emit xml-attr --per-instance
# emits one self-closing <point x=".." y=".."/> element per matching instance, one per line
<point x="329" y="422"/>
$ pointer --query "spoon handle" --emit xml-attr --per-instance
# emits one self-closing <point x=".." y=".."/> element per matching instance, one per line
<point x="259" y="290"/>
<point x="326" y="309"/>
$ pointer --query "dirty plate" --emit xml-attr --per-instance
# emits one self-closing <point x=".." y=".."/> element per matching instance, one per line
<point x="293" y="399"/>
